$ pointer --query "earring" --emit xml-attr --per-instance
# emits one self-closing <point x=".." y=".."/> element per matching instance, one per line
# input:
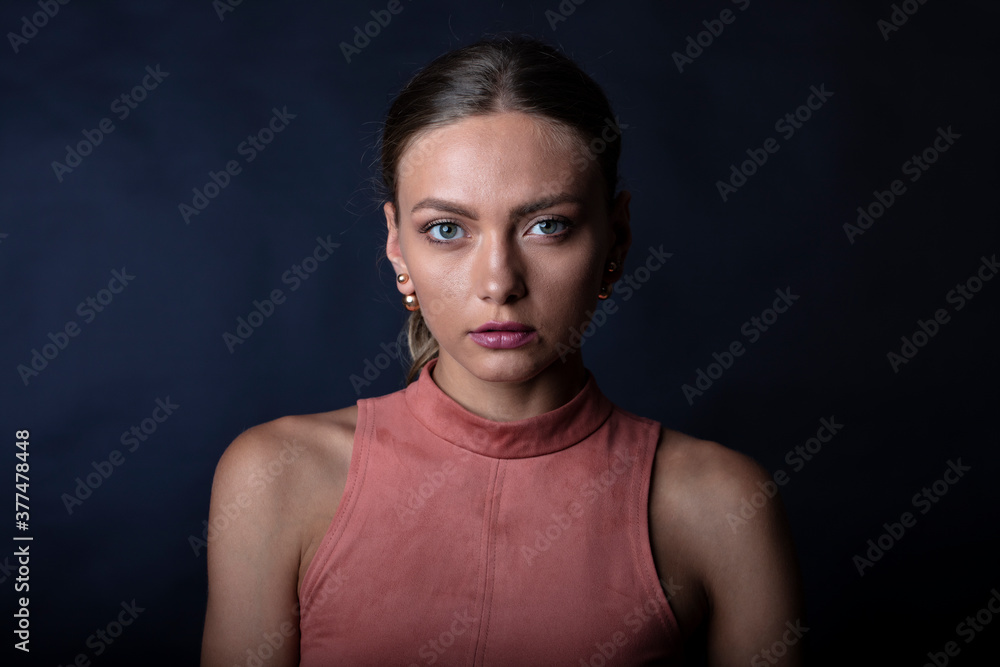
<point x="604" y="292"/>
<point x="402" y="278"/>
<point x="410" y="302"/>
<point x="612" y="267"/>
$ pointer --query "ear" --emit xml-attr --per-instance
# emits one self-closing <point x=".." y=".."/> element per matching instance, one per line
<point x="392" y="249"/>
<point x="621" y="230"/>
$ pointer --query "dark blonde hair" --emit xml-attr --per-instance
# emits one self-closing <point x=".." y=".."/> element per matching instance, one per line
<point x="500" y="73"/>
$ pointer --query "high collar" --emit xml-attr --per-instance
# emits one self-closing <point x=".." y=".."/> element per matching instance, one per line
<point x="535" y="436"/>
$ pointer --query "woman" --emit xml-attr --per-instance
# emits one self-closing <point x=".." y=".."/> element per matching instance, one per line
<point x="499" y="510"/>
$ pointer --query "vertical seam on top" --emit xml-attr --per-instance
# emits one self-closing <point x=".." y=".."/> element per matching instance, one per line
<point x="484" y="560"/>
<point x="502" y="476"/>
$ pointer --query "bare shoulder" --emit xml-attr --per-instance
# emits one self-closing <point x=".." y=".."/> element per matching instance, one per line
<point x="718" y="524"/>
<point x="275" y="488"/>
<point x="701" y="479"/>
<point x="278" y="483"/>
<point x="718" y="502"/>
<point x="312" y="430"/>
<point x="279" y="456"/>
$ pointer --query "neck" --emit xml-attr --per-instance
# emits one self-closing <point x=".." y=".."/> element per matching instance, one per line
<point x="505" y="401"/>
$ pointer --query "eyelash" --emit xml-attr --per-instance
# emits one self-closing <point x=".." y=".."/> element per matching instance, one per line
<point x="567" y="225"/>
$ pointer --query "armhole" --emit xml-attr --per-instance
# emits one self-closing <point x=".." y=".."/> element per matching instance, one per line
<point x="355" y="477"/>
<point x="642" y="549"/>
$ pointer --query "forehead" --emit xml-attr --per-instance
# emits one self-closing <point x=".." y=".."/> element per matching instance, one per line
<point x="501" y="157"/>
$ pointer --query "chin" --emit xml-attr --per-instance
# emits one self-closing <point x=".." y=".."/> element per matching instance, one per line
<point x="504" y="365"/>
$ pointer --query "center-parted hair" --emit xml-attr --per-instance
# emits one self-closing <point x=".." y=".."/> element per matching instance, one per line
<point x="513" y="73"/>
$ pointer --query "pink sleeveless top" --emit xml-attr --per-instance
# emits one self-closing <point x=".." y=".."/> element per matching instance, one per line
<point x="464" y="541"/>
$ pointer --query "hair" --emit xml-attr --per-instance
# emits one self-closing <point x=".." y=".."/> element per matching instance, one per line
<point x="502" y="73"/>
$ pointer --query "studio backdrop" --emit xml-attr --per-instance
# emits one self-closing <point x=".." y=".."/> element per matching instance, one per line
<point x="191" y="244"/>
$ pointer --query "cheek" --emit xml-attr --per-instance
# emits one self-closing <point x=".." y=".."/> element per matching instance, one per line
<point x="569" y="288"/>
<point x="577" y="272"/>
<point x="440" y="288"/>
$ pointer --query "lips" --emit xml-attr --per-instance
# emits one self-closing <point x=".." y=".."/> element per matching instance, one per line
<point x="503" y="326"/>
<point x="503" y="335"/>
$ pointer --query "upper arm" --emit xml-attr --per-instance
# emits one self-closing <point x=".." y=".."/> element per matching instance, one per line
<point x="253" y="555"/>
<point x="729" y="523"/>
<point x="753" y="581"/>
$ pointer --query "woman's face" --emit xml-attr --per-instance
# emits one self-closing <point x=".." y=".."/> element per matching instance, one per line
<point x="503" y="219"/>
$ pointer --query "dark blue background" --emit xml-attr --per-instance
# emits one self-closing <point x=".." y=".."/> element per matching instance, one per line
<point x="162" y="336"/>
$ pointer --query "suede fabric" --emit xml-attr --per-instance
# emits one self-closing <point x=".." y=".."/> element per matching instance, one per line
<point x="464" y="541"/>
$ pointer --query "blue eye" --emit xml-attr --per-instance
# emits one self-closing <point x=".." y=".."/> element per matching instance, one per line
<point x="445" y="231"/>
<point x="550" y="226"/>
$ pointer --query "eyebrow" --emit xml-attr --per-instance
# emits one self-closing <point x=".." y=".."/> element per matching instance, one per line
<point x="515" y="214"/>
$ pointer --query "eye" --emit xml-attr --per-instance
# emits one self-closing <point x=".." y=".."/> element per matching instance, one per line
<point x="550" y="226"/>
<point x="445" y="231"/>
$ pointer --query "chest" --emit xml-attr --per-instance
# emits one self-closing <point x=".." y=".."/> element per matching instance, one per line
<point x="491" y="559"/>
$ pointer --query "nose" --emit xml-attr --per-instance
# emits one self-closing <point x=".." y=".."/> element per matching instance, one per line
<point x="498" y="270"/>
